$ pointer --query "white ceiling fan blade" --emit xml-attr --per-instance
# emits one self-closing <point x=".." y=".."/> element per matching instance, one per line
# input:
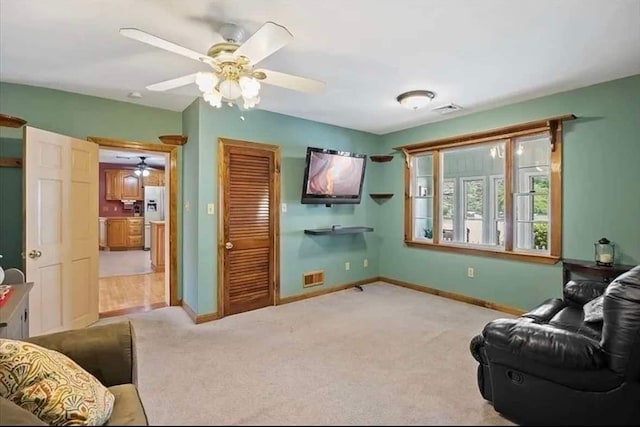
<point x="289" y="81"/>
<point x="268" y="39"/>
<point x="173" y="83"/>
<point x="141" y="36"/>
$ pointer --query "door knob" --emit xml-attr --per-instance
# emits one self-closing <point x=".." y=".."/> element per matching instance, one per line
<point x="228" y="245"/>
<point x="35" y="254"/>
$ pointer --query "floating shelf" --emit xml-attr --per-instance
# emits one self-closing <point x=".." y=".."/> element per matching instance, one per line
<point x="340" y="230"/>
<point x="173" y="139"/>
<point x="11" y="122"/>
<point x="381" y="196"/>
<point x="381" y="158"/>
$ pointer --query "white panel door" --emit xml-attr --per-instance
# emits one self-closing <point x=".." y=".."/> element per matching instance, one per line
<point x="84" y="233"/>
<point x="61" y="239"/>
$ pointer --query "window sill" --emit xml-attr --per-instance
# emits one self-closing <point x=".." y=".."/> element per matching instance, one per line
<point x="494" y="253"/>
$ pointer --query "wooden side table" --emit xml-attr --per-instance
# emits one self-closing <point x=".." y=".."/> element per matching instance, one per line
<point x="590" y="268"/>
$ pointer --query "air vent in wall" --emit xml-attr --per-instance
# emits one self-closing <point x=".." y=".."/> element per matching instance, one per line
<point x="312" y="278"/>
<point x="446" y="109"/>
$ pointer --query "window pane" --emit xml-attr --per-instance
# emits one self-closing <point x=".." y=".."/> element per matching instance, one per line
<point x="532" y="156"/>
<point x="422" y="197"/>
<point x="470" y="204"/>
<point x="448" y="201"/>
<point x="497" y="195"/>
<point x="473" y="207"/>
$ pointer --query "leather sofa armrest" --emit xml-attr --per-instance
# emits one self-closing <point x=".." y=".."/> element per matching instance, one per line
<point x="580" y="292"/>
<point x="544" y="344"/>
<point x="107" y="352"/>
<point x="545" y="311"/>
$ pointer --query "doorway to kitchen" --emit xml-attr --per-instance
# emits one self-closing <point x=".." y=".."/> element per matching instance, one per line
<point x="133" y="203"/>
<point x="137" y="223"/>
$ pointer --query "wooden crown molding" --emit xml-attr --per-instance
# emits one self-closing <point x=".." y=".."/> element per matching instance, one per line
<point x="173" y="139"/>
<point x="11" y="121"/>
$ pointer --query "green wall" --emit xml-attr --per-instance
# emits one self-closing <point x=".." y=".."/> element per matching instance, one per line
<point x="600" y="187"/>
<point x="298" y="252"/>
<point x="74" y="115"/>
<point x="11" y="206"/>
<point x="600" y="194"/>
<point x="190" y="179"/>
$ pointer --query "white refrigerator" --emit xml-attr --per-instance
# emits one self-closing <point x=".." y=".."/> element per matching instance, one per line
<point x="153" y="210"/>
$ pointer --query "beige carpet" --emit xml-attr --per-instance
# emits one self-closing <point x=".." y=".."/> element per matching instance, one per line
<point x="385" y="356"/>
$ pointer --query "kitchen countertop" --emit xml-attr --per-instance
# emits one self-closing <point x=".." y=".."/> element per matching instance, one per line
<point x="120" y="217"/>
<point x="157" y="222"/>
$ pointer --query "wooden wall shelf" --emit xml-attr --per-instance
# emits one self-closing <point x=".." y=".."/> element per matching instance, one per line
<point x="11" y="122"/>
<point x="380" y="196"/>
<point x="381" y="158"/>
<point x="10" y="162"/>
<point x="173" y="139"/>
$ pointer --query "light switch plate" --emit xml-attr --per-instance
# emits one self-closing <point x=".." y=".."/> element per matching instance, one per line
<point x="211" y="208"/>
<point x="284" y="207"/>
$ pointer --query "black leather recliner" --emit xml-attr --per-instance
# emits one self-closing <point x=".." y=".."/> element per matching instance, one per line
<point x="550" y="367"/>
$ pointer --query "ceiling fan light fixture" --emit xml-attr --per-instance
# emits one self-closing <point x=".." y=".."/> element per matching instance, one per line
<point x="230" y="89"/>
<point x="415" y="99"/>
<point x="142" y="168"/>
<point x="251" y="102"/>
<point x="250" y="87"/>
<point x="206" y="81"/>
<point x="214" y="98"/>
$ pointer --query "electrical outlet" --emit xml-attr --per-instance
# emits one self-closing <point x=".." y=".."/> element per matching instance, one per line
<point x="211" y="208"/>
<point x="284" y="207"/>
<point x="347" y="266"/>
<point x="365" y="264"/>
<point x="470" y="272"/>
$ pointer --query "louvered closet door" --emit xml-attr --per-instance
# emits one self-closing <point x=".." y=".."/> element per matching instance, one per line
<point x="248" y="229"/>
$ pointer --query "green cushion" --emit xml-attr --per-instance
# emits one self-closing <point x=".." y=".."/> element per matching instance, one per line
<point x="13" y="415"/>
<point x="127" y="410"/>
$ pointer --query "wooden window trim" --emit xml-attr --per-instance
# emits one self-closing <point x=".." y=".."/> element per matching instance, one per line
<point x="551" y="125"/>
<point x="506" y="132"/>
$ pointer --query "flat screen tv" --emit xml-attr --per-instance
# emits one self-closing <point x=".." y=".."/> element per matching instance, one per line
<point x="333" y="177"/>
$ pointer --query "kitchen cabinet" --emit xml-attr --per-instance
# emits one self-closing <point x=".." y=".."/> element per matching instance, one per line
<point x="157" y="246"/>
<point x="113" y="185"/>
<point x="155" y="178"/>
<point x="121" y="233"/>
<point x="131" y="186"/>
<point x="123" y="184"/>
<point x="117" y="232"/>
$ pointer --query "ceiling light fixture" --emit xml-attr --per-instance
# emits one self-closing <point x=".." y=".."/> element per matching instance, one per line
<point x="230" y="85"/>
<point x="142" y="168"/>
<point x="415" y="99"/>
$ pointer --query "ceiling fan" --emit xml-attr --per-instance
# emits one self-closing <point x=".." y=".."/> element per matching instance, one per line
<point x="142" y="168"/>
<point x="233" y="77"/>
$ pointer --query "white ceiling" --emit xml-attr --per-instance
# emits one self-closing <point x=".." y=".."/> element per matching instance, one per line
<point x="478" y="54"/>
<point x="130" y="158"/>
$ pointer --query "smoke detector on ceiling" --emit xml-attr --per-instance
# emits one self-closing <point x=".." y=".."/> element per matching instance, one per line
<point x="448" y="108"/>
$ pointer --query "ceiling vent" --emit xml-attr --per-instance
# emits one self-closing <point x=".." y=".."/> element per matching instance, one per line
<point x="446" y="109"/>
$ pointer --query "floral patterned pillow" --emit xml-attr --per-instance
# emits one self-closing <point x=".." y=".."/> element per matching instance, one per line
<point x="52" y="386"/>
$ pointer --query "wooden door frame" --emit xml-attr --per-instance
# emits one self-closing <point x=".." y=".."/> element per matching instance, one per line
<point x="173" y="196"/>
<point x="275" y="206"/>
